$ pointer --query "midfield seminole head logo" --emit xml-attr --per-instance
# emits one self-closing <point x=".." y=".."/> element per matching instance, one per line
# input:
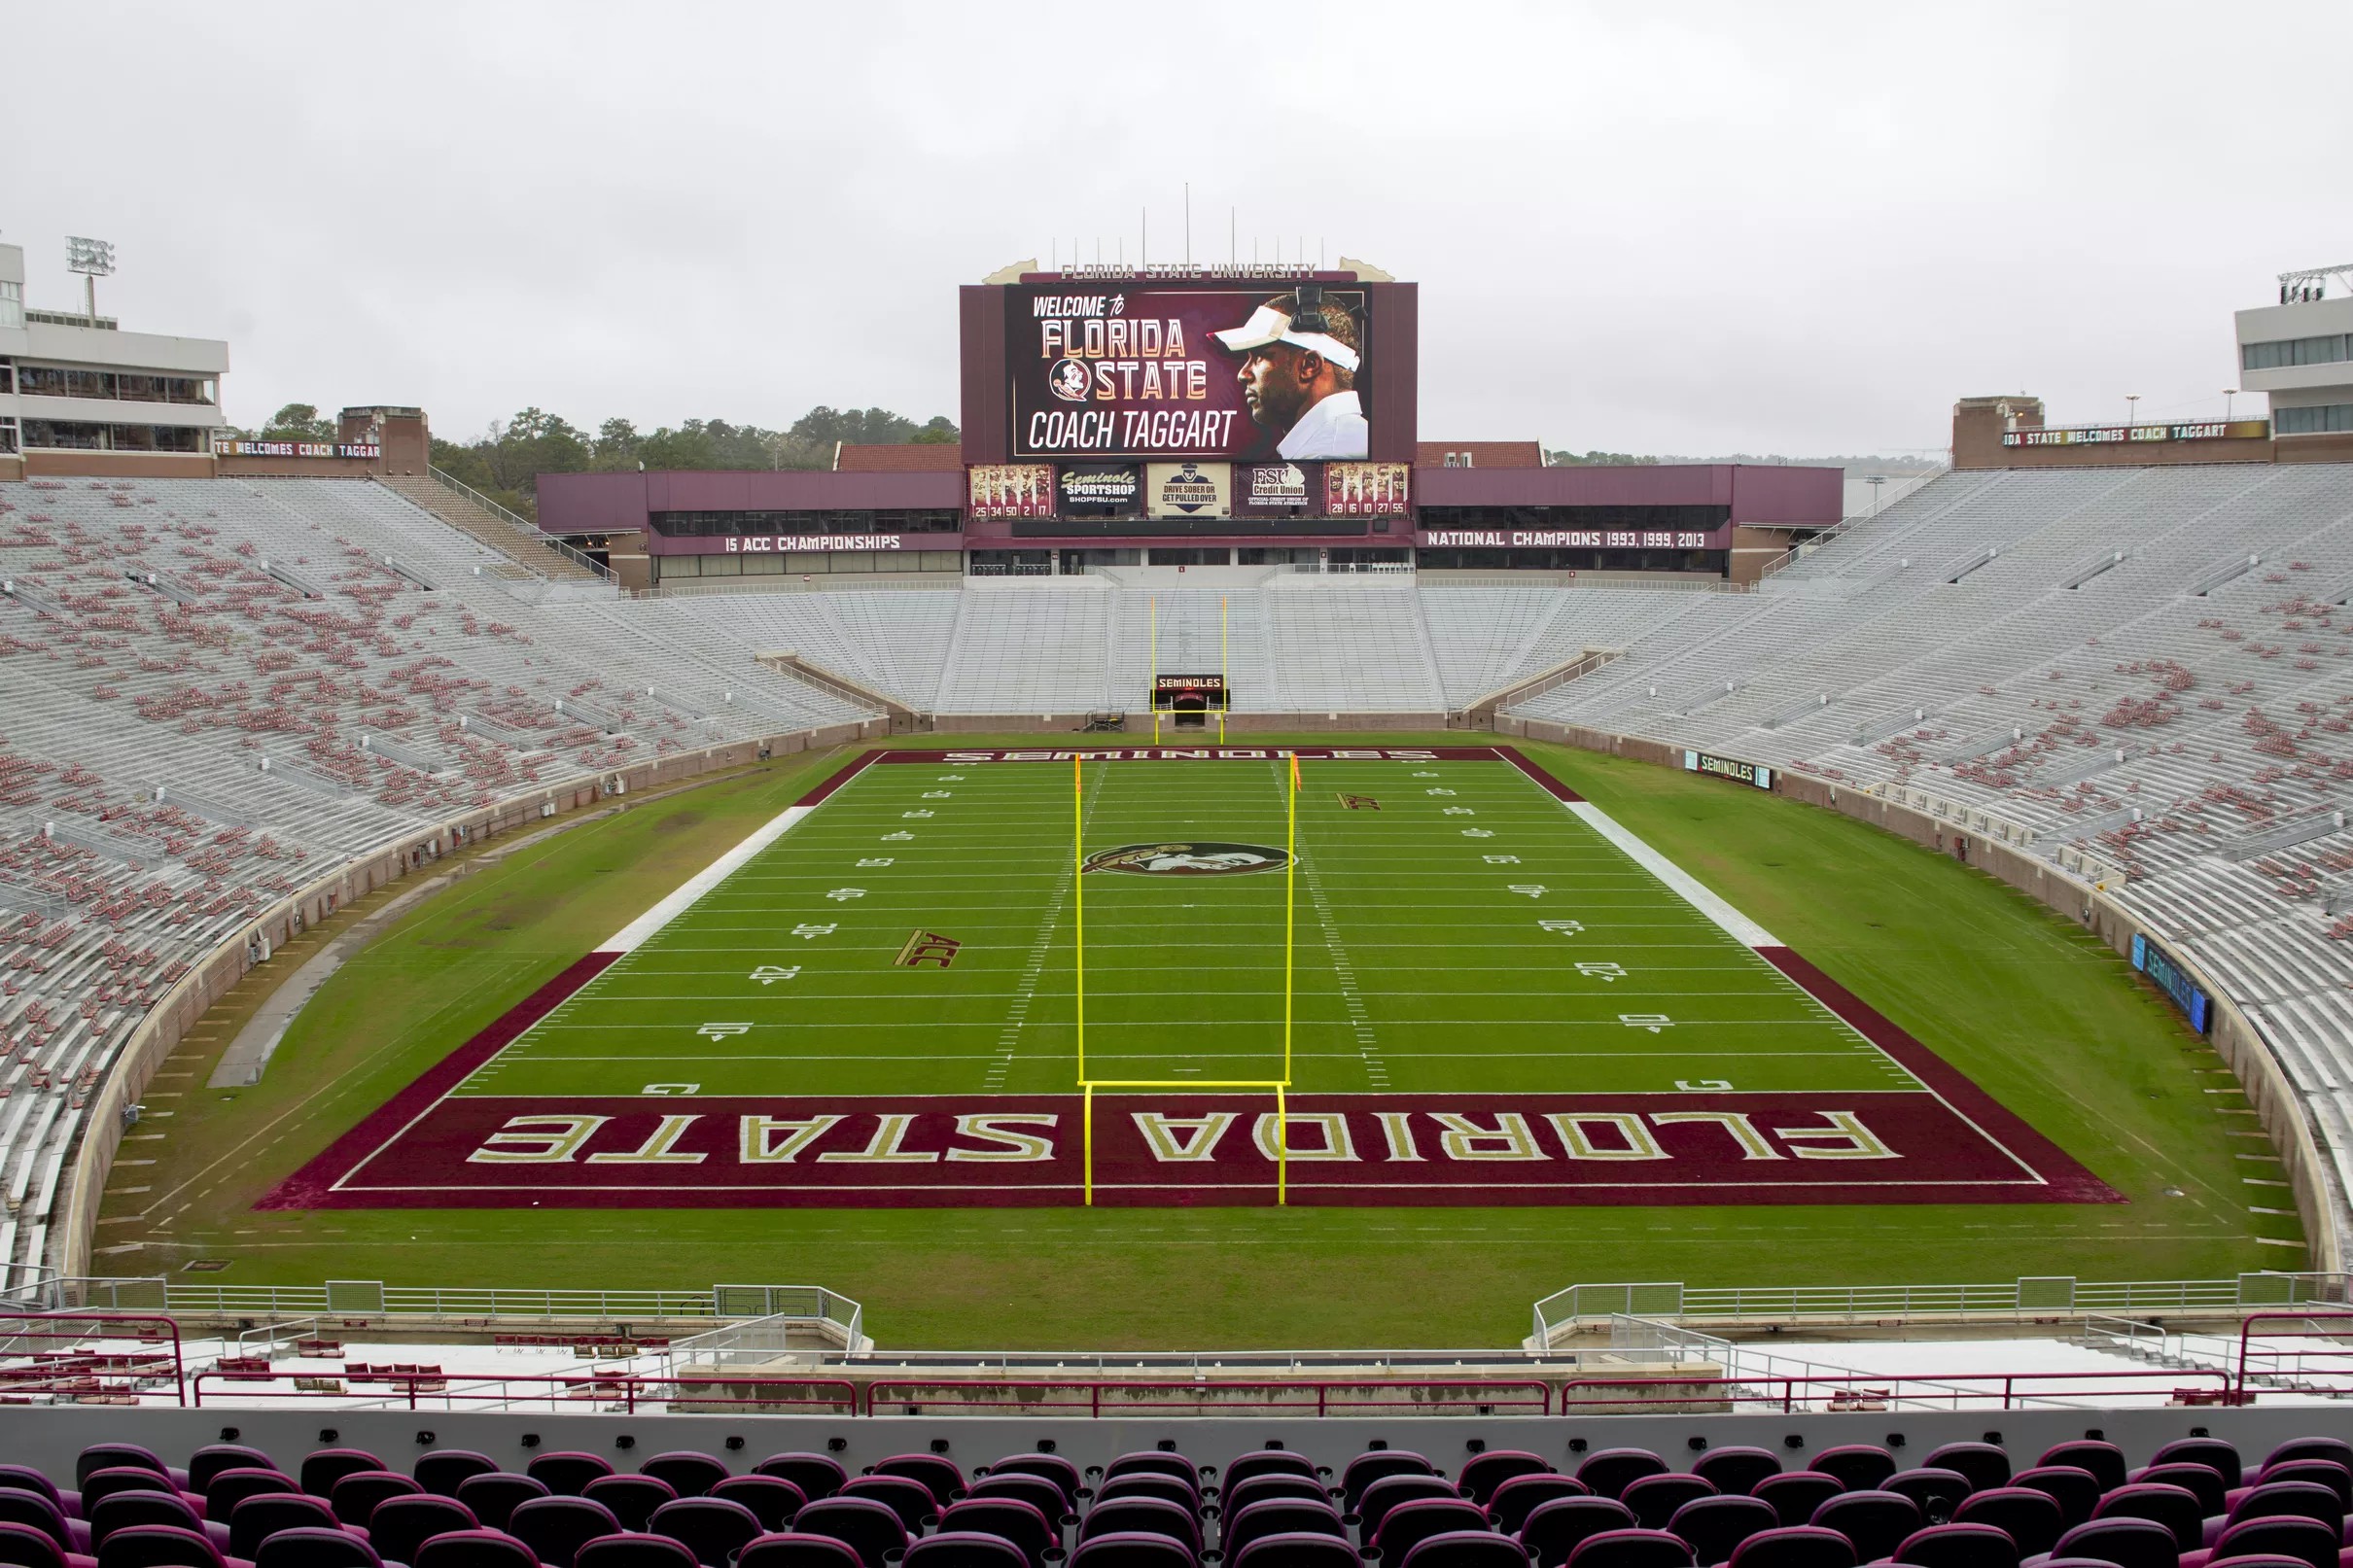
<point x="1195" y="860"/>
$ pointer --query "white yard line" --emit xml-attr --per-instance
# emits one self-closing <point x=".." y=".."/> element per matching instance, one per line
<point x="1692" y="890"/>
<point x="640" y="929"/>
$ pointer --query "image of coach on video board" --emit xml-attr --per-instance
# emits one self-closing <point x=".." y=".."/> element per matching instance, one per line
<point x="1300" y="355"/>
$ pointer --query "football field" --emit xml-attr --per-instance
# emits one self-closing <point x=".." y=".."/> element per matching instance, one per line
<point x="1422" y="976"/>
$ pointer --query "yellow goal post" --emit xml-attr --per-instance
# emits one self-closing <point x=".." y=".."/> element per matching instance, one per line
<point x="1291" y="905"/>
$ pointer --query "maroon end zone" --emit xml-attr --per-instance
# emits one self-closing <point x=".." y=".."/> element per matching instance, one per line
<point x="1177" y="1149"/>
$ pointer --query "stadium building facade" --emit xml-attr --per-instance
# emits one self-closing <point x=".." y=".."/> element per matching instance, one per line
<point x="1191" y="417"/>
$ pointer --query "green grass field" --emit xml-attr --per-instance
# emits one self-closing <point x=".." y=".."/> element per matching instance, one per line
<point x="1418" y="972"/>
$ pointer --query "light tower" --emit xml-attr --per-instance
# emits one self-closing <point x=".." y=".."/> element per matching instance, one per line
<point x="93" y="258"/>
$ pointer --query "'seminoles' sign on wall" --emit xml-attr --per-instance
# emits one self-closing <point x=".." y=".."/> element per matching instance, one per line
<point x="1223" y="370"/>
<point x="1365" y="489"/>
<point x="1011" y="489"/>
<point x="1188" y="692"/>
<point x="2160" y="966"/>
<point x="2212" y="429"/>
<point x="1724" y="767"/>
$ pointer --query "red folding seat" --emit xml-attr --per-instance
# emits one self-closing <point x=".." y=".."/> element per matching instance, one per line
<point x="1712" y="1526"/>
<point x="772" y="1499"/>
<point x="1859" y="1467"/>
<point x="1482" y="1473"/>
<point x="441" y="1470"/>
<point x="1511" y="1504"/>
<point x="2105" y="1460"/>
<point x="497" y="1495"/>
<point x="1796" y="1493"/>
<point x="1938" y="1491"/>
<point x="565" y="1472"/>
<point x="819" y="1476"/>
<point x="713" y="1528"/>
<point x="475" y="1548"/>
<point x="1253" y="1463"/>
<point x="355" y="1497"/>
<point x="1958" y="1546"/>
<point x="257" y="1519"/>
<point x="2075" y="1490"/>
<point x="1369" y="1467"/>
<point x="635" y="1550"/>
<point x="1798" y="1546"/>
<point x="2030" y="1519"/>
<point x="401" y="1524"/>
<point x="1736" y="1470"/>
<point x="940" y="1476"/>
<point x="1279" y="1516"/>
<point x="1556" y="1529"/>
<point x="316" y="1548"/>
<point x="868" y="1528"/>
<point x="555" y="1528"/>
<point x="1010" y="1520"/>
<point x="209" y="1463"/>
<point x="1633" y="1549"/>
<point x="690" y="1473"/>
<point x="1385" y="1494"/>
<point x="1985" y="1465"/>
<point x="1151" y="1483"/>
<point x="789" y="1549"/>
<point x="634" y="1498"/>
<point x="1133" y="1550"/>
<point x="1654" y="1498"/>
<point x="1609" y="1472"/>
<point x="1300" y="1551"/>
<point x="23" y="1547"/>
<point x="2174" y="1506"/>
<point x="1877" y="1522"/>
<point x="963" y="1548"/>
<point x="1468" y="1548"/>
<point x="158" y="1546"/>
<point x="324" y="1467"/>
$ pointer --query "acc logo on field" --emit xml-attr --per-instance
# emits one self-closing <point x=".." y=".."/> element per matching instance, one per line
<point x="1068" y="380"/>
<point x="1195" y="859"/>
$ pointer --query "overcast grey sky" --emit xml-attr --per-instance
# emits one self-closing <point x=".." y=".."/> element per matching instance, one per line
<point x="1782" y="228"/>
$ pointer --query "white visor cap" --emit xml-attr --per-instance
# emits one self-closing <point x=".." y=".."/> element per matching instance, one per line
<point x="1267" y="324"/>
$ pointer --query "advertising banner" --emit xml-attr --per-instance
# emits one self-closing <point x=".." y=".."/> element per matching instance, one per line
<point x="1574" y="539"/>
<point x="1365" y="489"/>
<point x="1275" y="487"/>
<point x="1733" y="768"/>
<point x="1212" y="370"/>
<point x="1189" y="489"/>
<point x="1101" y="490"/>
<point x="2212" y="429"/>
<point x="1012" y="490"/>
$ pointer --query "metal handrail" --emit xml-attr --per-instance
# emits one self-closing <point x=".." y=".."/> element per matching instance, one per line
<point x="1826" y="535"/>
<point x="147" y="1328"/>
<point x="2258" y="1292"/>
<point x="837" y="1394"/>
<point x="521" y="526"/>
<point x="1205" y="1397"/>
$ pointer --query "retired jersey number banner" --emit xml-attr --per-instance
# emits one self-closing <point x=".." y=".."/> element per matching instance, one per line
<point x="1012" y="489"/>
<point x="1224" y="371"/>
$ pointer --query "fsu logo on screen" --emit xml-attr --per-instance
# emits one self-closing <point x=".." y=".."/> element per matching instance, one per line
<point x="1195" y="859"/>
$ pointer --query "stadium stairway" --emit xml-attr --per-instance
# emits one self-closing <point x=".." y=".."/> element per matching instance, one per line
<point x="526" y="555"/>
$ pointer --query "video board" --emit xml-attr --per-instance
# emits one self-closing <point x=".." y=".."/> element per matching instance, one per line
<point x="1251" y="370"/>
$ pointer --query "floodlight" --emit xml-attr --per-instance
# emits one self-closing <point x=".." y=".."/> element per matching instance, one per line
<point x="92" y="258"/>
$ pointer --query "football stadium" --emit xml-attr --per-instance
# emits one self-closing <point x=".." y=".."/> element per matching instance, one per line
<point x="1184" y="975"/>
